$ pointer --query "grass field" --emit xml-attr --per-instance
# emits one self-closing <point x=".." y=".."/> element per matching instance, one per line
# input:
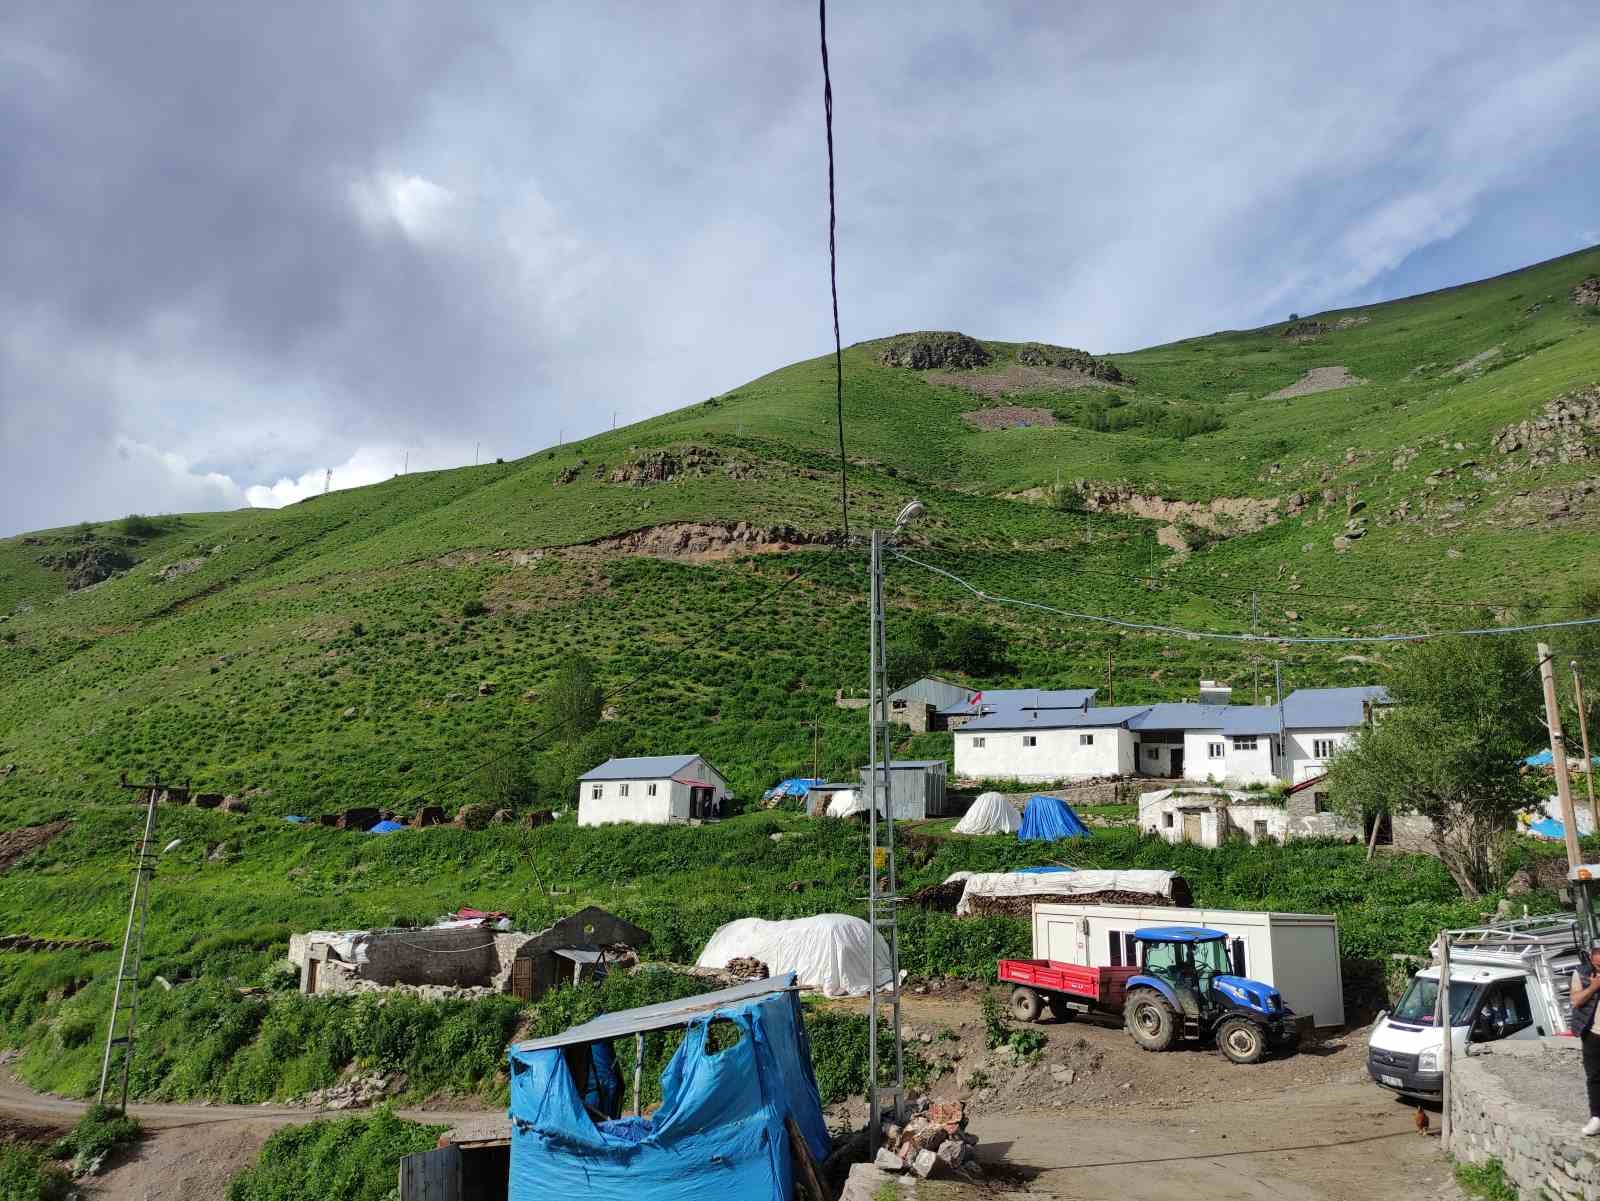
<point x="334" y="653"/>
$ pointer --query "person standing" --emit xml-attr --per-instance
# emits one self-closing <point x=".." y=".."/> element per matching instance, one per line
<point x="1585" y="1000"/>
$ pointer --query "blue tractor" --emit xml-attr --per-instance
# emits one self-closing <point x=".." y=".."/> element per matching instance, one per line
<point x="1185" y="989"/>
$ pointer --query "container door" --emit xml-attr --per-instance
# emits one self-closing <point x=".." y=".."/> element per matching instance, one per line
<point x="431" y="1175"/>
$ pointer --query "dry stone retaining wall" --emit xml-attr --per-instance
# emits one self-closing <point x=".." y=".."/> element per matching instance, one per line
<point x="1541" y="1150"/>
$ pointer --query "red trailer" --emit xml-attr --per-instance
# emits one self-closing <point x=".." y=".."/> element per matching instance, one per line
<point x="1063" y="987"/>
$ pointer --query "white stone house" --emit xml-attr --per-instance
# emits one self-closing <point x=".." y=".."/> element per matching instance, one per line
<point x="1225" y="744"/>
<point x="1037" y="745"/>
<point x="1206" y="816"/>
<point x="653" y="789"/>
<point x="1318" y="722"/>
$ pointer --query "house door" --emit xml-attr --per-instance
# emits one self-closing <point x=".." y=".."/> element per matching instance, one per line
<point x="1385" y="830"/>
<point x="522" y="978"/>
<point x="311" y="976"/>
<point x="1176" y="756"/>
<point x="702" y="803"/>
<point x="1191" y="827"/>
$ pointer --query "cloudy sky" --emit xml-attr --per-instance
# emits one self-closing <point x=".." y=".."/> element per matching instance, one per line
<point x="240" y="244"/>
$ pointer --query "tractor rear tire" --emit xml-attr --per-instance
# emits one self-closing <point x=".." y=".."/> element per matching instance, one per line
<point x="1150" y="1020"/>
<point x="1241" y="1040"/>
<point x="1026" y="1004"/>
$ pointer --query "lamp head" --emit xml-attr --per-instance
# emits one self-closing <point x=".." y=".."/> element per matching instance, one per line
<point x="913" y="510"/>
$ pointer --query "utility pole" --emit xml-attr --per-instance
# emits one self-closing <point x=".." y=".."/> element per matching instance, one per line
<point x="405" y="463"/>
<point x="125" y="1013"/>
<point x="1583" y="728"/>
<point x="327" y="480"/>
<point x="1255" y="660"/>
<point x="1283" y="735"/>
<point x="1448" y="1045"/>
<point x="1558" y="754"/>
<point x="882" y="897"/>
<point x="1111" y="679"/>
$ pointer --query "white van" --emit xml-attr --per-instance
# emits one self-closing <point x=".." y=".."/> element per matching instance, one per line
<point x="1507" y="981"/>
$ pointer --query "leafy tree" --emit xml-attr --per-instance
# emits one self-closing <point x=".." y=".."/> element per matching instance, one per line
<point x="508" y="783"/>
<point x="571" y="703"/>
<point x="906" y="662"/>
<point x="974" y="648"/>
<point x="1467" y="710"/>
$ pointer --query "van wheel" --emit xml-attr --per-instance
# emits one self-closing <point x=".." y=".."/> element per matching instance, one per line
<point x="1150" y="1019"/>
<point x="1241" y="1040"/>
<point x="1025" y="1004"/>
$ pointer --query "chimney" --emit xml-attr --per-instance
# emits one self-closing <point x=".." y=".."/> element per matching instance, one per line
<point x="1213" y="693"/>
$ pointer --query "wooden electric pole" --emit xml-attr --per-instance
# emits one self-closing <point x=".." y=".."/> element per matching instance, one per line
<point x="1558" y="754"/>
<point x="1583" y="728"/>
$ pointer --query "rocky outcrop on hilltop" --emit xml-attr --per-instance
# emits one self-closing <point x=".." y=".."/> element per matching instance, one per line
<point x="1042" y="354"/>
<point x="1560" y="434"/>
<point x="935" y="349"/>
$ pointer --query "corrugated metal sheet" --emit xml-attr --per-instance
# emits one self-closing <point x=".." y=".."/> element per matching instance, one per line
<point x="1250" y="719"/>
<point x="1054" y="719"/>
<point x="933" y="691"/>
<point x="995" y="699"/>
<point x="640" y="767"/>
<point x="431" y="1175"/>
<point x="661" y="1016"/>
<point x="1330" y="708"/>
<point x="1180" y="716"/>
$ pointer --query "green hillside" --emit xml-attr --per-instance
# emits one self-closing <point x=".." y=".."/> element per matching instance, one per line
<point x="314" y="651"/>
<point x="376" y="646"/>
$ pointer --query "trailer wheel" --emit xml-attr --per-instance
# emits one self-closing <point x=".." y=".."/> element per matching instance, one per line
<point x="1241" y="1040"/>
<point x="1025" y="1004"/>
<point x="1061" y="1010"/>
<point x="1150" y="1019"/>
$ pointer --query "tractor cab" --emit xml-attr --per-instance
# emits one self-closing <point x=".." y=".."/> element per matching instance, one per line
<point x="1186" y="988"/>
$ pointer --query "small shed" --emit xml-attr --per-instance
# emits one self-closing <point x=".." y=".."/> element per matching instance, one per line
<point x="573" y="948"/>
<point x="916" y="788"/>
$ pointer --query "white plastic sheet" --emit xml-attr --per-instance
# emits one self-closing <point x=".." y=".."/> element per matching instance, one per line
<point x="846" y="803"/>
<point x="991" y="813"/>
<point x="828" y="953"/>
<point x="1067" y="883"/>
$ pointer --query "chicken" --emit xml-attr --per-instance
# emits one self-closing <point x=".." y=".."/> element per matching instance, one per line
<point x="1421" y="1120"/>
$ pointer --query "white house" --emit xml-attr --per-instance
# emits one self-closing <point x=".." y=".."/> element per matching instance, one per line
<point x="655" y="789"/>
<point x="1037" y="745"/>
<point x="1318" y="722"/>
<point x="1234" y="744"/>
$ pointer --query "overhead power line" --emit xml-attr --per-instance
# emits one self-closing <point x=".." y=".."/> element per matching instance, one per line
<point x="1223" y="636"/>
<point x="833" y="279"/>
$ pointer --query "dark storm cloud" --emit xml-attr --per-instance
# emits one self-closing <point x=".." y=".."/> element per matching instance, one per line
<point x="239" y="244"/>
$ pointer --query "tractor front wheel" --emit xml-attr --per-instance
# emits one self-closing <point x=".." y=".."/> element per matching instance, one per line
<point x="1026" y="1004"/>
<point x="1150" y="1019"/>
<point x="1241" y="1040"/>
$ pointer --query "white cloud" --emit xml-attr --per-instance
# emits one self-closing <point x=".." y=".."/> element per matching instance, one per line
<point x="367" y="465"/>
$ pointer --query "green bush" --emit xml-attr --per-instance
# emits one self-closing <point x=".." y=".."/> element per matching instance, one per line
<point x="99" y="1132"/>
<point x="26" y="1175"/>
<point x="351" y="1159"/>
<point x="1486" y="1180"/>
<point x="136" y="525"/>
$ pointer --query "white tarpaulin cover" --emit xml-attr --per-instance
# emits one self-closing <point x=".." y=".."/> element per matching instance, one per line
<point x="1067" y="883"/>
<point x="846" y="803"/>
<point x="991" y="813"/>
<point x="348" y="945"/>
<point x="828" y="953"/>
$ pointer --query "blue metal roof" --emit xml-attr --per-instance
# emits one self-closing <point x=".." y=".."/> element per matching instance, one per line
<point x="1177" y="934"/>
<point x="640" y="767"/>
<point x="994" y="699"/>
<point x="1180" y="716"/>
<point x="1330" y="708"/>
<point x="1054" y="719"/>
<point x="1250" y="719"/>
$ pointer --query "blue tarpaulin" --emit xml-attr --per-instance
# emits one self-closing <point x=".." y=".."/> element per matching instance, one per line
<point x="294" y="817"/>
<point x="1039" y="871"/>
<point x="719" y="1131"/>
<point x="1047" y="818"/>
<point x="1548" y="827"/>
<point x="1545" y="759"/>
<point x="385" y="827"/>
<point x="796" y="786"/>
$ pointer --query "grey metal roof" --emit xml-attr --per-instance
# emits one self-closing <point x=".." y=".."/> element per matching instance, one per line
<point x="661" y="1016"/>
<point x="640" y="767"/>
<point x="1250" y="719"/>
<point x="934" y="691"/>
<point x="995" y="699"/>
<point x="1054" y="719"/>
<point x="1184" y="715"/>
<point x="1331" y="708"/>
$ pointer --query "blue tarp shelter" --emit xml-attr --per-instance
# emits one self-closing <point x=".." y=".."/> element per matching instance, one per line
<point x="1047" y="818"/>
<point x="1548" y="827"/>
<point x="1039" y="871"/>
<point x="1545" y="759"/>
<point x="720" y="1131"/>
<point x="385" y="827"/>
<point x="796" y="786"/>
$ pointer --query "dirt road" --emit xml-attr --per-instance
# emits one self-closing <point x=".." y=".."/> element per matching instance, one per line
<point x="190" y="1151"/>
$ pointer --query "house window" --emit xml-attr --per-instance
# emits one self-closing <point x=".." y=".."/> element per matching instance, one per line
<point x="1114" y="947"/>
<point x="1151" y="752"/>
<point x="1323" y="748"/>
<point x="1245" y="743"/>
<point x="596" y="792"/>
<point x="649" y="790"/>
<point x="897" y="705"/>
<point x="622" y="790"/>
<point x="1030" y="740"/>
<point x="977" y="741"/>
<point x="1085" y="739"/>
<point x="1319" y="802"/>
<point x="1213" y="750"/>
<point x="1166" y="819"/>
<point x="1261" y="832"/>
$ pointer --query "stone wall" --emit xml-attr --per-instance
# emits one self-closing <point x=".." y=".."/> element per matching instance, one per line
<point x="1503" y="1106"/>
<point x="1413" y="833"/>
<point x="1093" y="792"/>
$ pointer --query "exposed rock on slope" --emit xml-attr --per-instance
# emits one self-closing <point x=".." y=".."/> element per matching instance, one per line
<point x="1041" y="354"/>
<point x="1587" y="291"/>
<point x="939" y="348"/>
<point x="1559" y="434"/>
<point x="88" y="564"/>
<point x="1318" y="379"/>
<point x="695" y="541"/>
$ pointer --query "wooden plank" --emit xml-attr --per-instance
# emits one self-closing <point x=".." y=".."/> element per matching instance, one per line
<point x="808" y="1179"/>
<point x="431" y="1175"/>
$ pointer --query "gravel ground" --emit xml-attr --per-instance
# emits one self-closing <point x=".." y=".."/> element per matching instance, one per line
<point x="1318" y="379"/>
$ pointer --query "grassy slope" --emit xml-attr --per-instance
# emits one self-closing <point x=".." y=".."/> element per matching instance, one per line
<point x="240" y="674"/>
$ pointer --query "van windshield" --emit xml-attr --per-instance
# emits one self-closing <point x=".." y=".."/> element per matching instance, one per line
<point x="1420" y="1004"/>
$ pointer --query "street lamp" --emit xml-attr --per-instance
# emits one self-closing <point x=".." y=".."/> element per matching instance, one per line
<point x="881" y="904"/>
